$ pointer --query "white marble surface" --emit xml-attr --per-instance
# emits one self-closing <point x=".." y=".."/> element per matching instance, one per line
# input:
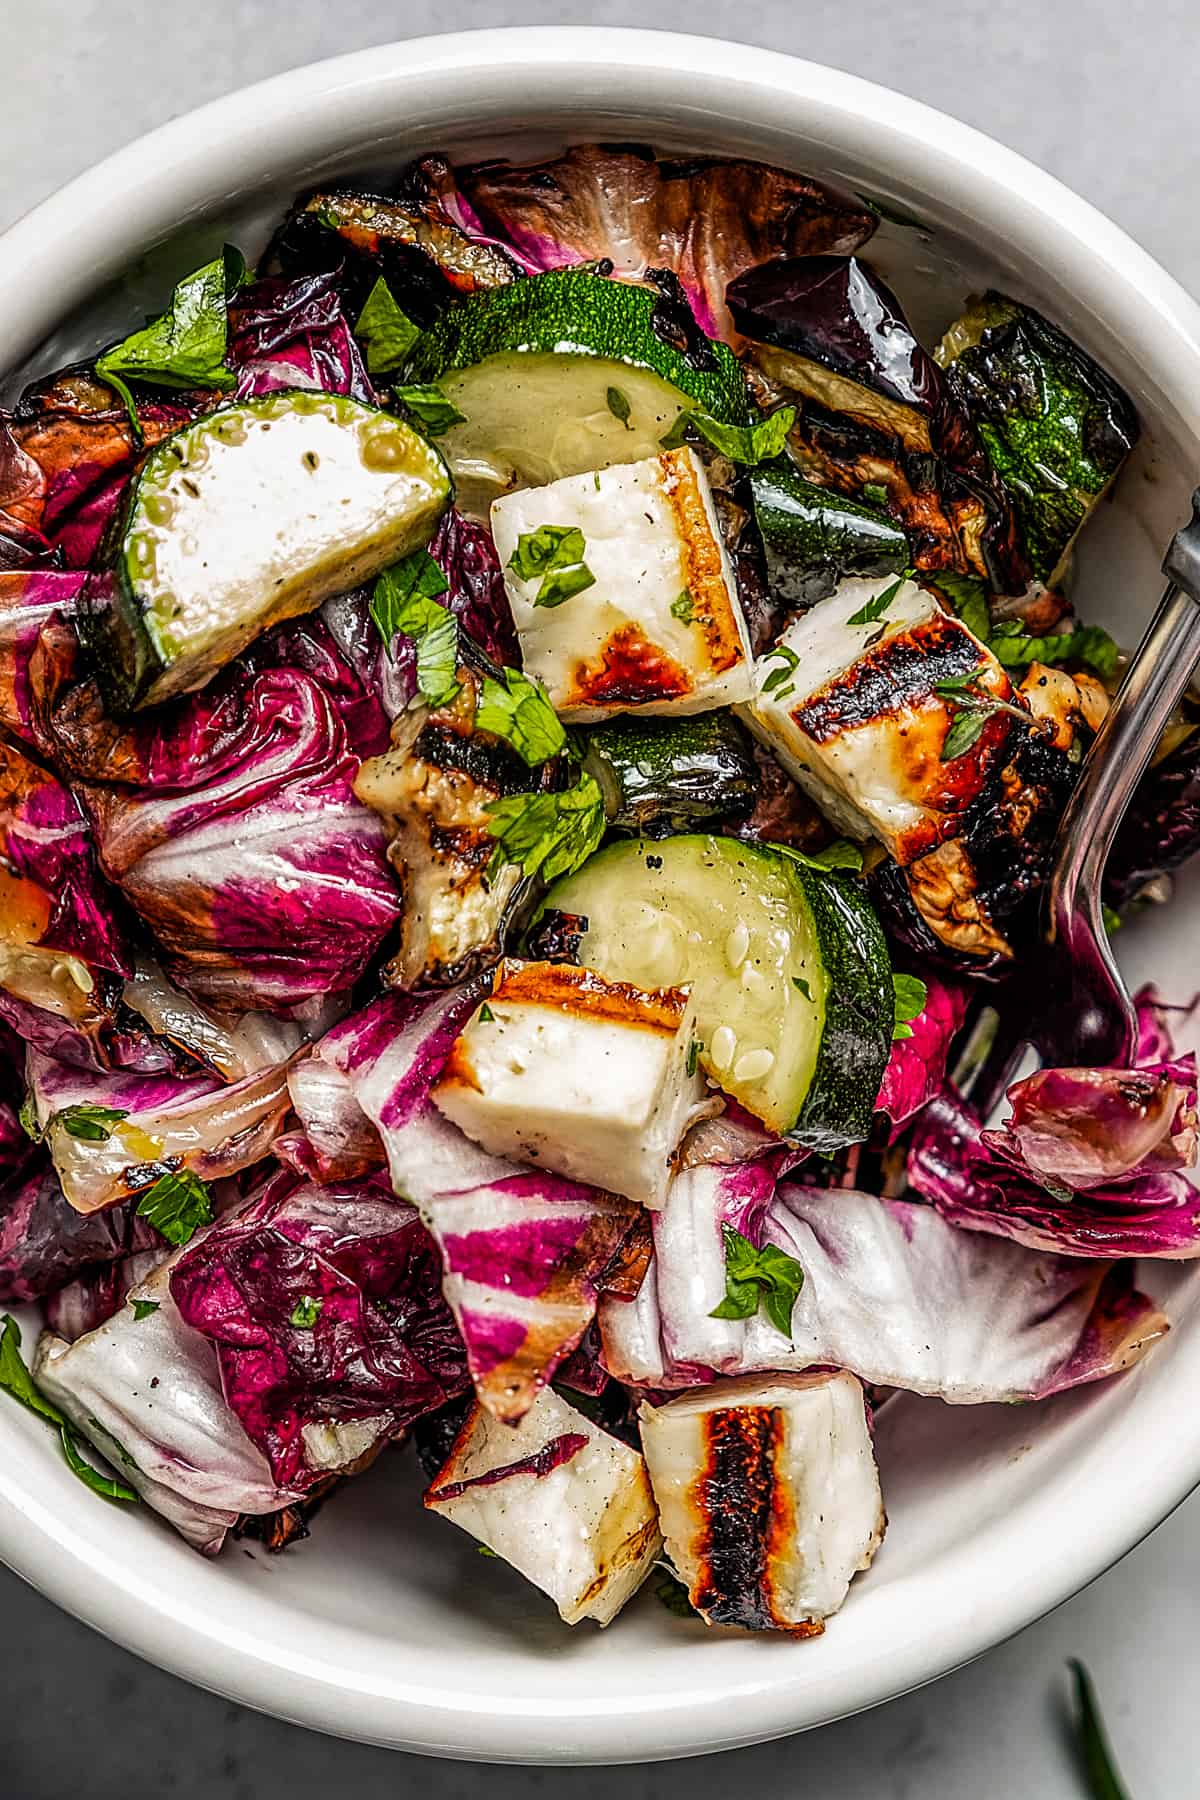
<point x="1103" y="94"/>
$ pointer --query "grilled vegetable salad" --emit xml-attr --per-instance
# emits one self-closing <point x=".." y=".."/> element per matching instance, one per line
<point x="532" y="727"/>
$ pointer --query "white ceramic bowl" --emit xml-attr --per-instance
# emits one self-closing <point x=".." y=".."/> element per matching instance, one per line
<point x="386" y="1626"/>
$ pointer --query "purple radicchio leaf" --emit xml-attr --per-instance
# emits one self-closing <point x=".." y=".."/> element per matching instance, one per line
<point x="525" y="1253"/>
<point x="145" y="1388"/>
<point x="229" y="822"/>
<point x="705" y="219"/>
<point x="326" y="1310"/>
<point x="293" y="333"/>
<point x="45" y="1243"/>
<point x="966" y="1319"/>
<point x="916" y="1069"/>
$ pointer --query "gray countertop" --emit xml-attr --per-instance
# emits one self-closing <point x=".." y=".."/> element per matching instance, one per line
<point x="1102" y="94"/>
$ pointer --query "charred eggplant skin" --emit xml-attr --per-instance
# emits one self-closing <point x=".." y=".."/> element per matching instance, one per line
<point x="814" y="537"/>
<point x="1055" y="426"/>
<point x="661" y="776"/>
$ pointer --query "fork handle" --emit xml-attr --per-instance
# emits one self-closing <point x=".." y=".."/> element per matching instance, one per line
<point x="1154" y="684"/>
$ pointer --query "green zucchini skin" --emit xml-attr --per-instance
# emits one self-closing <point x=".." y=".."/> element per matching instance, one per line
<point x="840" y="1102"/>
<point x="1055" y="426"/>
<point x="574" y="311"/>
<point x="815" y="537"/>
<point x="660" y="776"/>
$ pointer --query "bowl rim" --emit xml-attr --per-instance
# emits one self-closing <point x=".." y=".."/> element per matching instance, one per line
<point x="65" y="247"/>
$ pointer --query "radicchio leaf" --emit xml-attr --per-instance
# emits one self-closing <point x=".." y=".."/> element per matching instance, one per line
<point x="916" y="1068"/>
<point x="891" y="1292"/>
<point x="327" y="1314"/>
<point x="705" y="219"/>
<point x="293" y="333"/>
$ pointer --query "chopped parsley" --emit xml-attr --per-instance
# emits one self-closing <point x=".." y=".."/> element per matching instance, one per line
<point x="618" y="406"/>
<point x="143" y="1308"/>
<point x="177" y="1205"/>
<point x="93" y="1124"/>
<point x="909" y="1003"/>
<point x="517" y="710"/>
<point x="185" y="346"/>
<point x="768" y="1277"/>
<point x="841" y="854"/>
<point x="16" y="1380"/>
<point x="693" y="1056"/>
<point x="875" y="494"/>
<point x="404" y="601"/>
<point x="547" y="834"/>
<point x="802" y="986"/>
<point x="747" y="444"/>
<point x="683" y="607"/>
<point x="430" y="408"/>
<point x="307" y="1311"/>
<point x="1104" y="1783"/>
<point x="555" y="554"/>
<point x="486" y="1015"/>
<point x="789" y="663"/>
<point x="386" y="331"/>
<point x="876" y="608"/>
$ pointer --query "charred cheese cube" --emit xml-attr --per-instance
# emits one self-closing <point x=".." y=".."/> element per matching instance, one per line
<point x="596" y="1080"/>
<point x="847" y="700"/>
<point x="768" y="1496"/>
<point x="660" y="627"/>
<point x="566" y="1504"/>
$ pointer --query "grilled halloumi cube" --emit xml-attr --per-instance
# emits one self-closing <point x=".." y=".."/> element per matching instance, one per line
<point x="596" y="1080"/>
<point x="566" y="1504"/>
<point x="768" y="1496"/>
<point x="849" y="706"/>
<point x="660" y="628"/>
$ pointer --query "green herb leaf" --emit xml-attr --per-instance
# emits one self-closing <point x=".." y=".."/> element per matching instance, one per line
<point x="143" y="1308"/>
<point x="547" y="833"/>
<point x="799" y="983"/>
<point x="768" y="1276"/>
<point x="16" y="1380"/>
<point x="185" y="346"/>
<point x="841" y="854"/>
<point x="1099" y="1765"/>
<point x="404" y="600"/>
<point x="618" y="406"/>
<point x="1112" y="918"/>
<point x="683" y="607"/>
<point x="876" y="609"/>
<point x="387" y="332"/>
<point x="27" y="1117"/>
<point x="1088" y="644"/>
<point x="693" y="1057"/>
<point x="555" y="553"/>
<point x="910" y="996"/>
<point x="968" y="596"/>
<point x="875" y="494"/>
<point x="517" y="710"/>
<point x="748" y="444"/>
<point x="94" y="1124"/>
<point x="177" y="1205"/>
<point x="965" y="729"/>
<point x="670" y="1592"/>
<point x="486" y="1550"/>
<point x="107" y="1486"/>
<point x="486" y="1015"/>
<point x="430" y="408"/>
<point x="789" y="663"/>
<point x="307" y="1311"/>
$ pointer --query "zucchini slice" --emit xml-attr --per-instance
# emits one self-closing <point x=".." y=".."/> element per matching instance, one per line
<point x="788" y="967"/>
<point x="561" y="374"/>
<point x="664" y="775"/>
<point x="250" y="515"/>
<point x="1055" y="426"/>
<point x="814" y="537"/>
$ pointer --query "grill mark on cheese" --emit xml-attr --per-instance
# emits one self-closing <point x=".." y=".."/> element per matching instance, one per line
<point x="583" y="991"/>
<point x="629" y="671"/>
<point x="900" y="672"/>
<point x="735" y="1494"/>
<point x="702" y="573"/>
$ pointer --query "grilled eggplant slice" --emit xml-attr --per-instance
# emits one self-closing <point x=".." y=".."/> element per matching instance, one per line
<point x="1055" y="426"/>
<point x="568" y="1505"/>
<point x="427" y="262"/>
<point x="768" y="1495"/>
<point x="660" y="776"/>
<point x="433" y="788"/>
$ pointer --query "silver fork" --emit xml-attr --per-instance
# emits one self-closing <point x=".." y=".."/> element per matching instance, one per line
<point x="1080" y="1013"/>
